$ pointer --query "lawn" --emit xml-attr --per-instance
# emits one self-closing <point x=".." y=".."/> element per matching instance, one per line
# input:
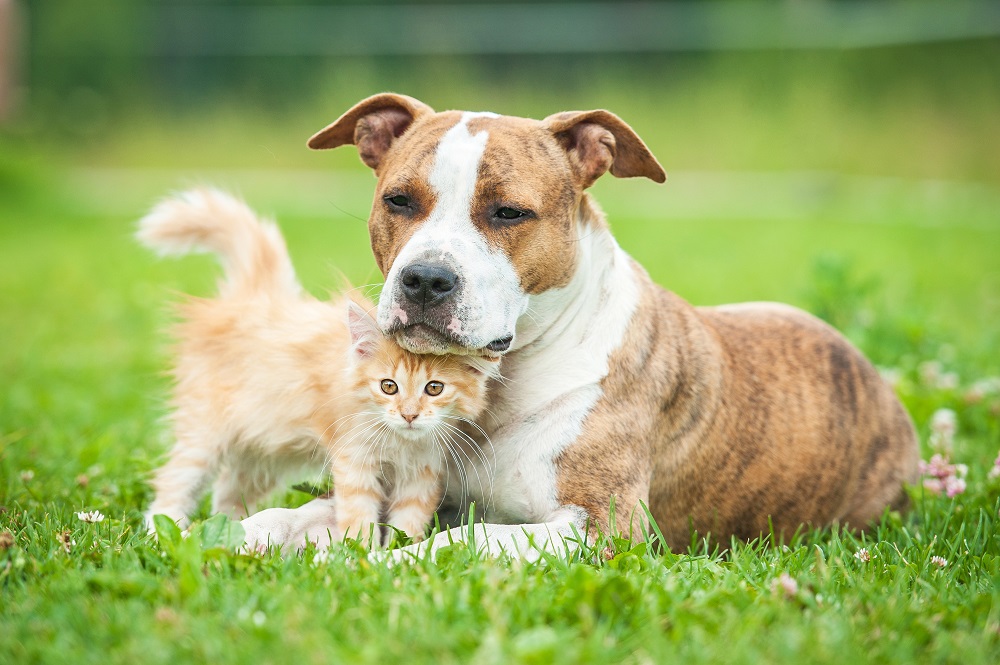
<point x="906" y="266"/>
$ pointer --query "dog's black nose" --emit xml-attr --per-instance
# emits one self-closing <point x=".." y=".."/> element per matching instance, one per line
<point x="427" y="285"/>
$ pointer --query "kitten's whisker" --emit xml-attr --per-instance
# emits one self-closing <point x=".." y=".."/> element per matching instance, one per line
<point x="339" y="443"/>
<point x="459" y="466"/>
<point x="442" y="453"/>
<point x="474" y="443"/>
<point x="460" y="449"/>
<point x="340" y="422"/>
<point x="369" y="432"/>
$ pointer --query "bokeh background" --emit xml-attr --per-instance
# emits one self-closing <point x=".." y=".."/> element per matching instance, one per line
<point x="841" y="156"/>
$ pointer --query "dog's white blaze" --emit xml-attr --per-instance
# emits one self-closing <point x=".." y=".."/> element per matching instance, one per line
<point x="569" y="333"/>
<point x="491" y="299"/>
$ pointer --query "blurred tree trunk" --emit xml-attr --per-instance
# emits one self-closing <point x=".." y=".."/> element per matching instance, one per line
<point x="10" y="34"/>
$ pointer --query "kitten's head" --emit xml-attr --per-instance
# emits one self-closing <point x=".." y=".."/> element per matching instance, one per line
<point x="412" y="393"/>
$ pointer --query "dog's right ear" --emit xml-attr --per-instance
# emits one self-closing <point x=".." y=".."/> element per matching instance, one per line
<point x="372" y="125"/>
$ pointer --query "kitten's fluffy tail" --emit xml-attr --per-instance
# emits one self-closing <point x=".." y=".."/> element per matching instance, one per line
<point x="251" y="250"/>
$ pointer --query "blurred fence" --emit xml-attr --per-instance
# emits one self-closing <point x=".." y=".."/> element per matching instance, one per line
<point x="9" y="29"/>
<point x="561" y="27"/>
<point x="127" y="49"/>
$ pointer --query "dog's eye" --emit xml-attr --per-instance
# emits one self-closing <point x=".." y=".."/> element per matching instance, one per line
<point x="389" y="387"/>
<point x="434" y="388"/>
<point x="398" y="201"/>
<point x="509" y="214"/>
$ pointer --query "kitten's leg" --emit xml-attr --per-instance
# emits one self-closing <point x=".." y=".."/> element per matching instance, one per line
<point x="180" y="483"/>
<point x="237" y="490"/>
<point x="358" y="494"/>
<point x="414" y="499"/>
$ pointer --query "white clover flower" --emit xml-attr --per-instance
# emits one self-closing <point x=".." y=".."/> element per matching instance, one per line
<point x="944" y="421"/>
<point x="92" y="517"/>
<point x="65" y="539"/>
<point x="863" y="555"/>
<point x="948" y="381"/>
<point x="891" y="375"/>
<point x="939" y="561"/>
<point x="930" y="372"/>
<point x="944" y="424"/>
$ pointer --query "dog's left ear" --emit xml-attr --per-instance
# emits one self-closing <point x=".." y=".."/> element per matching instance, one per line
<point x="600" y="141"/>
<point x="372" y="125"/>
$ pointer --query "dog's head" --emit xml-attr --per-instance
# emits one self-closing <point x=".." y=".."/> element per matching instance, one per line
<point x="475" y="212"/>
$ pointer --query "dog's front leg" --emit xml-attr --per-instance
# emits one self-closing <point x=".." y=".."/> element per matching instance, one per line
<point x="314" y="522"/>
<point x="558" y="535"/>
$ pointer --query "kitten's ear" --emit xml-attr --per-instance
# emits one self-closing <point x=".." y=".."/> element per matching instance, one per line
<point x="365" y="333"/>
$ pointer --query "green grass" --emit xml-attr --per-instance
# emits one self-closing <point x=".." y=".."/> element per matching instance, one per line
<point x="907" y="268"/>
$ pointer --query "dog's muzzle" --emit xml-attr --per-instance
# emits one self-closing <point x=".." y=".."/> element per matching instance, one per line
<point x="427" y="312"/>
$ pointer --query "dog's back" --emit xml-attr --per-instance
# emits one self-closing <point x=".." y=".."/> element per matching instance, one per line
<point x="802" y="405"/>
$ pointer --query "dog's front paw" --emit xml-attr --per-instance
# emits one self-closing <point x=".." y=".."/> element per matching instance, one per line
<point x="271" y="527"/>
<point x="287" y="528"/>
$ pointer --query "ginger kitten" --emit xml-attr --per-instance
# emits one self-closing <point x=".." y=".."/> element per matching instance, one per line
<point x="270" y="380"/>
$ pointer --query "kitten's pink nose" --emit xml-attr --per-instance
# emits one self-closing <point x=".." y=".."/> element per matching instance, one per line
<point x="409" y="417"/>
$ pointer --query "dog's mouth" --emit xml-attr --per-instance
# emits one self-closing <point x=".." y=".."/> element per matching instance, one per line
<point x="423" y="338"/>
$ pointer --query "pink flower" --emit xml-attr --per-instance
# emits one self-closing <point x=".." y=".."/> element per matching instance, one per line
<point x="995" y="471"/>
<point x="940" y="476"/>
<point x="953" y="487"/>
<point x="786" y="585"/>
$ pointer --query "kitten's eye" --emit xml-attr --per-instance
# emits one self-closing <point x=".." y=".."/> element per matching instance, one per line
<point x="434" y="388"/>
<point x="389" y="387"/>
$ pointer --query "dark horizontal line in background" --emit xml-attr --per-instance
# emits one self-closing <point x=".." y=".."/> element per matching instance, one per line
<point x="600" y="27"/>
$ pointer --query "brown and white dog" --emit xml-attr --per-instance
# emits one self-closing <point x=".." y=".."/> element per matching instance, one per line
<point x="720" y="419"/>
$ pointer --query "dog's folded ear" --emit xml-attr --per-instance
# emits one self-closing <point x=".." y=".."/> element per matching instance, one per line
<point x="372" y="125"/>
<point x="599" y="141"/>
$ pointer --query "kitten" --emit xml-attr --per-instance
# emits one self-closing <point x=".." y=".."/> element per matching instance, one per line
<point x="270" y="380"/>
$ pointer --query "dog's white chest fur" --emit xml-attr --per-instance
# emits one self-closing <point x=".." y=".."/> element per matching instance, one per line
<point x="552" y="383"/>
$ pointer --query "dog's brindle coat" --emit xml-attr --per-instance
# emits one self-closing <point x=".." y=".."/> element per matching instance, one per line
<point x="718" y="418"/>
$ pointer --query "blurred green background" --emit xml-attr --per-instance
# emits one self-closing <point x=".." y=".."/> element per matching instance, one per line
<point x="844" y="157"/>
<point x="840" y="156"/>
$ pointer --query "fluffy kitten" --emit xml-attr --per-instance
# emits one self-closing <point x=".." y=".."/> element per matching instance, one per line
<point x="270" y="380"/>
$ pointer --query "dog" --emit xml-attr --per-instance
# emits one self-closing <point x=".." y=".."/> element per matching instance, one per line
<point x="619" y="397"/>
